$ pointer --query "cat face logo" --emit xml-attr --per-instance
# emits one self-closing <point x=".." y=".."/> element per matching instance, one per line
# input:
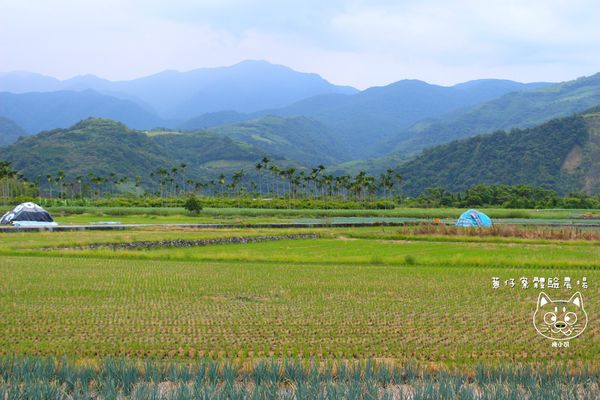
<point x="560" y="319"/>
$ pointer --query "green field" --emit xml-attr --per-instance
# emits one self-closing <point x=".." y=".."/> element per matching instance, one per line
<point x="163" y="215"/>
<point x="351" y="294"/>
<point x="406" y="312"/>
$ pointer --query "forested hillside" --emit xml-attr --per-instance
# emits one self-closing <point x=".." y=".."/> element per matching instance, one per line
<point x="554" y="155"/>
<point x="517" y="109"/>
<point x="296" y="138"/>
<point x="104" y="147"/>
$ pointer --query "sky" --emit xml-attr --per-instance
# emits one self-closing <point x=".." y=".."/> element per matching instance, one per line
<point x="355" y="42"/>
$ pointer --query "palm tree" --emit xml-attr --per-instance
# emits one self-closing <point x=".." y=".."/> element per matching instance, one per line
<point x="237" y="179"/>
<point x="79" y="180"/>
<point x="162" y="176"/>
<point x="6" y="175"/>
<point x="396" y="181"/>
<point x="172" y="179"/>
<point x="265" y="165"/>
<point x="259" y="167"/>
<point x="50" y="180"/>
<point x="182" y="168"/>
<point x="60" y="176"/>
<point x="221" y="179"/>
<point x="274" y="169"/>
<point x="288" y="175"/>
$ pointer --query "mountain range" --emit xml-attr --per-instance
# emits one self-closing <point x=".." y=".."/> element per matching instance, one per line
<point x="249" y="86"/>
<point x="210" y="97"/>
<point x="37" y="111"/>
<point x="561" y="154"/>
<point x="365" y="119"/>
<point x="261" y="109"/>
<point x="517" y="109"/>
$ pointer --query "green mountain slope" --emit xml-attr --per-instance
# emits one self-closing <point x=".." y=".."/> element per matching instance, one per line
<point x="213" y="119"/>
<point x="514" y="110"/>
<point x="297" y="138"/>
<point x="104" y="146"/>
<point x="562" y="154"/>
<point x="9" y="131"/>
<point x="364" y="120"/>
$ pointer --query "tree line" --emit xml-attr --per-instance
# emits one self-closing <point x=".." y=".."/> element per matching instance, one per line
<point x="267" y="180"/>
<point x="291" y="187"/>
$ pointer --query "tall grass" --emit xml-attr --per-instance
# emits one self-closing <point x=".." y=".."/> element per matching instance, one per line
<point x="507" y="231"/>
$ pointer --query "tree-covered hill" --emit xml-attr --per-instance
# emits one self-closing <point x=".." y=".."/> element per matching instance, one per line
<point x="104" y="147"/>
<point x="295" y="138"/>
<point x="213" y="119"/>
<point x="562" y="154"/>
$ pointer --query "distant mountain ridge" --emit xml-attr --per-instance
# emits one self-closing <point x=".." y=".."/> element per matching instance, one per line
<point x="205" y="98"/>
<point x="35" y="112"/>
<point x="374" y="129"/>
<point x="365" y="119"/>
<point x="248" y="86"/>
<point x="513" y="110"/>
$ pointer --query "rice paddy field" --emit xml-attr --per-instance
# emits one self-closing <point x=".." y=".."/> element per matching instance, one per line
<point x="375" y="312"/>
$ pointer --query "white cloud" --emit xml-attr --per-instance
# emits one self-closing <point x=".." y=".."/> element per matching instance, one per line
<point x="355" y="42"/>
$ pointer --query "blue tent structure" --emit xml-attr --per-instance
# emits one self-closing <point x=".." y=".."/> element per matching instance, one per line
<point x="473" y="218"/>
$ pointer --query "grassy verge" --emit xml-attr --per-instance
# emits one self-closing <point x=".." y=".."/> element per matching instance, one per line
<point x="257" y="213"/>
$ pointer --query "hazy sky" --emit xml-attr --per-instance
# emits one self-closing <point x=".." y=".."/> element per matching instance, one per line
<point x="360" y="43"/>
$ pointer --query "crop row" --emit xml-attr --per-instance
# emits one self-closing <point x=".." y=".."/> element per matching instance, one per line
<point x="46" y="378"/>
<point x="102" y="307"/>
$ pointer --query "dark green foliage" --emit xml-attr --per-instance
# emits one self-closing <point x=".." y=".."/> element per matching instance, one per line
<point x="199" y="148"/>
<point x="504" y="196"/>
<point x="105" y="147"/>
<point x="12" y="185"/>
<point x="193" y="205"/>
<point x="301" y="139"/>
<point x="131" y="202"/>
<point x="94" y="145"/>
<point x="531" y="156"/>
